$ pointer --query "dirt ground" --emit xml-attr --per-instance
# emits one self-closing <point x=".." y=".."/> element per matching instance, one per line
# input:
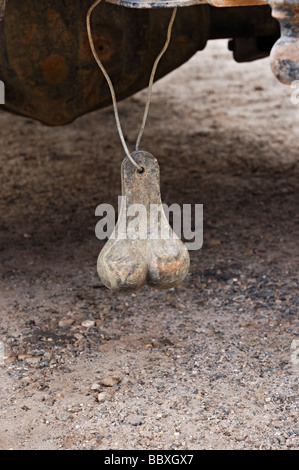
<point x="211" y="364"/>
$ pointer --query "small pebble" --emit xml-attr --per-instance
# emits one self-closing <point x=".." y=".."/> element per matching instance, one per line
<point x="135" y="420"/>
<point x="103" y="396"/>
<point x="95" y="386"/>
<point x="214" y="243"/>
<point x="66" y="321"/>
<point x="88" y="323"/>
<point x="110" y="381"/>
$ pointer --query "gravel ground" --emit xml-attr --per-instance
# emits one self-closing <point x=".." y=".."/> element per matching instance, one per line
<point x="211" y="364"/>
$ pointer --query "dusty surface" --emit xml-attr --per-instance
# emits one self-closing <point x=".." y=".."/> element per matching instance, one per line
<point x="206" y="365"/>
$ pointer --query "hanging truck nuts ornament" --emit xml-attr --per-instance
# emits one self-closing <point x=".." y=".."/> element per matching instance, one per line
<point x="143" y="249"/>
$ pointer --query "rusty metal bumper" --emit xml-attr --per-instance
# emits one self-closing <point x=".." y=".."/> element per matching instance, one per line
<point x="185" y="3"/>
<point x="284" y="57"/>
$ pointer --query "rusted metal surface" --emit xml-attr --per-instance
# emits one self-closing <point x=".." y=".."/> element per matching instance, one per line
<point x="259" y="32"/>
<point x="148" y="251"/>
<point x="48" y="68"/>
<point x="284" y="56"/>
<point x="157" y="3"/>
<point x="184" y="3"/>
<point x="235" y="3"/>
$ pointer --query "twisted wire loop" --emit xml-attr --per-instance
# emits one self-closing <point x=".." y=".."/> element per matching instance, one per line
<point x="111" y="87"/>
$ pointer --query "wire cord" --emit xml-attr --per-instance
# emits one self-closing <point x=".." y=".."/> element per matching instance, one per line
<point x="111" y="87"/>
